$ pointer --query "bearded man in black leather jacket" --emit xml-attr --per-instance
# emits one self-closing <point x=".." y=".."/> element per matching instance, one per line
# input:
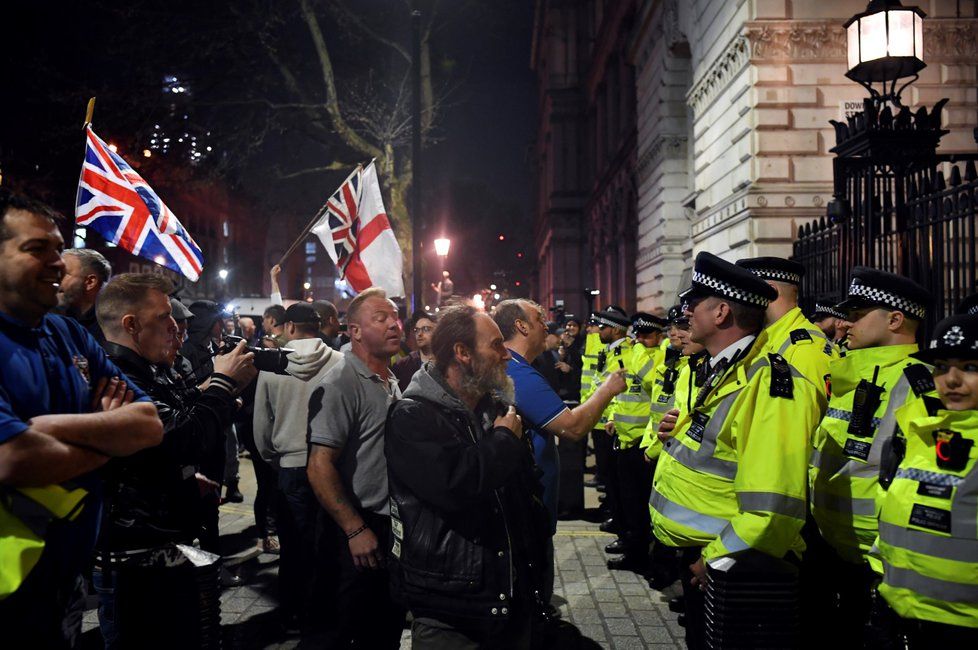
<point x="153" y="501"/>
<point x="469" y="526"/>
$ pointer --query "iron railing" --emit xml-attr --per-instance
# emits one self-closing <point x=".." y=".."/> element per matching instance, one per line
<point x="899" y="206"/>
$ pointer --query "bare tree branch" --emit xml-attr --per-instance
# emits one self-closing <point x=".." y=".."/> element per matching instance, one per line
<point x="333" y="166"/>
<point x="339" y="6"/>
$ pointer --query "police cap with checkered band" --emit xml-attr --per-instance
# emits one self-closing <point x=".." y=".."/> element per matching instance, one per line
<point x="873" y="288"/>
<point x="955" y="337"/>
<point x="643" y="323"/>
<point x="969" y="305"/>
<point x="611" y="316"/>
<point x="713" y="276"/>
<point x="776" y="269"/>
<point x="826" y="311"/>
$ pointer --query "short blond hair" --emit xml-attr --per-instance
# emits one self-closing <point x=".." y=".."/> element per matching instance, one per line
<point x="353" y="311"/>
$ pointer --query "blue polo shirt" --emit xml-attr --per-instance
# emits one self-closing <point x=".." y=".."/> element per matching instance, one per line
<point x="52" y="369"/>
<point x="538" y="404"/>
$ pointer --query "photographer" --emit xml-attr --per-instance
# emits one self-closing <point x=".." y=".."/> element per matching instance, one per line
<point x="153" y="496"/>
<point x="469" y="526"/>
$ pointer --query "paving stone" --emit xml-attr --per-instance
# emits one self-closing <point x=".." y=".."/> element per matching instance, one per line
<point x="621" y="627"/>
<point x="642" y="602"/>
<point x="593" y="632"/>
<point x="647" y="617"/>
<point x="655" y="633"/>
<point x="586" y="615"/>
<point x="610" y="610"/>
<point x="607" y="596"/>
<point x="236" y="605"/>
<point x="633" y="589"/>
<point x="628" y="643"/>
<point x="576" y="588"/>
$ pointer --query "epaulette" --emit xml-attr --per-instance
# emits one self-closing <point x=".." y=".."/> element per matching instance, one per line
<point x="933" y="405"/>
<point x="799" y="335"/>
<point x="920" y="378"/>
<point x="781" y="383"/>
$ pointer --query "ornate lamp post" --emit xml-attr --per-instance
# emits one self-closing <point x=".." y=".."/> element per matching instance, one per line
<point x="885" y="44"/>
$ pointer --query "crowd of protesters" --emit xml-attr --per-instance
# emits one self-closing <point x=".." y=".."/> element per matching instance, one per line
<point x="411" y="472"/>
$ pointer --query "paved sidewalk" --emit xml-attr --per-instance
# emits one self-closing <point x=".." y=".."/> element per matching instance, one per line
<point x="614" y="609"/>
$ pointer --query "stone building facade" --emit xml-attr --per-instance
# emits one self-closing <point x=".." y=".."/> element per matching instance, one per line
<point x="732" y="106"/>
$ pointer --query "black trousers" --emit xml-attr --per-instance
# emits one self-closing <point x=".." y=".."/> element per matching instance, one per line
<point x="265" y="498"/>
<point x="602" y="454"/>
<point x="695" y="599"/>
<point x="432" y="635"/>
<point x="633" y="478"/>
<point x="833" y="589"/>
<point x="298" y="572"/>
<point x="359" y="610"/>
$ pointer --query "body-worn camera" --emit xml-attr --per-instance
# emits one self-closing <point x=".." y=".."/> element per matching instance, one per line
<point x="267" y="359"/>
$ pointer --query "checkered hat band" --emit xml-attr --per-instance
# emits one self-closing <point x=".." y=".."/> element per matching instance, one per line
<point x="886" y="298"/>
<point x="729" y="291"/>
<point x="646" y="324"/>
<point x="777" y="275"/>
<point x="973" y="311"/>
<point x="831" y="311"/>
<point x="601" y="320"/>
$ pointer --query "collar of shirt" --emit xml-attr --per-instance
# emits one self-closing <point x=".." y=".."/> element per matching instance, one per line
<point x="130" y="358"/>
<point x="14" y="326"/>
<point x="362" y="370"/>
<point x="732" y="351"/>
<point x="612" y="346"/>
<point x="517" y="357"/>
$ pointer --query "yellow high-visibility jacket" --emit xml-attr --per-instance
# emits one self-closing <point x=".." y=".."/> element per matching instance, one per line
<point x="803" y="345"/>
<point x="844" y="470"/>
<point x="928" y="524"/>
<point x="734" y="476"/>
<point x="589" y="363"/>
<point x="630" y="410"/>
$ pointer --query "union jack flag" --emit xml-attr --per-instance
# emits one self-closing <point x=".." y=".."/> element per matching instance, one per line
<point x="343" y="219"/>
<point x="118" y="204"/>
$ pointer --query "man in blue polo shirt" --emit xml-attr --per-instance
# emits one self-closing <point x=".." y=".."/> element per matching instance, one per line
<point x="64" y="411"/>
<point x="524" y="328"/>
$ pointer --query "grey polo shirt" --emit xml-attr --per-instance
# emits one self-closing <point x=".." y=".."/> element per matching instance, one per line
<point x="348" y="411"/>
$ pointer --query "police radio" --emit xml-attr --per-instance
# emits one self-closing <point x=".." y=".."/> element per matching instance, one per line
<point x="866" y="400"/>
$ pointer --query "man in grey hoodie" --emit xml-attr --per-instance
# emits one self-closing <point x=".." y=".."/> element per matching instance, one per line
<point x="281" y="414"/>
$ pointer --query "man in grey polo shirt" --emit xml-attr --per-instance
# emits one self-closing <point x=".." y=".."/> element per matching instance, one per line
<point x="348" y="472"/>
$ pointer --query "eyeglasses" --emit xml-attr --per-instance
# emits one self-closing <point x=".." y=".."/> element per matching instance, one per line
<point x="426" y="329"/>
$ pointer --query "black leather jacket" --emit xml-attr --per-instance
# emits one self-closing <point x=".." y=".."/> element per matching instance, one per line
<point x="152" y="496"/>
<point x="469" y="528"/>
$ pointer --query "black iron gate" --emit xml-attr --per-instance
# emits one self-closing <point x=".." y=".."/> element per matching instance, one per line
<point x="898" y="206"/>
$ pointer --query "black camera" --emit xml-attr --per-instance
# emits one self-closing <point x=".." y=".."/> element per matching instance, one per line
<point x="267" y="359"/>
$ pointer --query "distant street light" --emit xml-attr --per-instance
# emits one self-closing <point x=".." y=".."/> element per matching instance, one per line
<point x="885" y="43"/>
<point x="441" y="246"/>
<point x="223" y="274"/>
<point x="306" y="286"/>
<point x="492" y="287"/>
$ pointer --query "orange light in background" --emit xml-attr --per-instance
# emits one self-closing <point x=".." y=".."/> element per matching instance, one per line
<point x="502" y="237"/>
<point x="147" y="153"/>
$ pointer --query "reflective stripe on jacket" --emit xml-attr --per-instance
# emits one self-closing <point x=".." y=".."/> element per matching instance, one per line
<point x="734" y="476"/>
<point x="630" y="410"/>
<point x="24" y="517"/>
<point x="844" y="470"/>
<point x="928" y="526"/>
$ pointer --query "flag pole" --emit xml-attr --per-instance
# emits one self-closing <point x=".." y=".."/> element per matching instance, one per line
<point x="315" y="220"/>
<point x="89" y="114"/>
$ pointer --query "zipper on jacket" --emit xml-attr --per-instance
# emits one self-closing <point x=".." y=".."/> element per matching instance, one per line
<point x="502" y="514"/>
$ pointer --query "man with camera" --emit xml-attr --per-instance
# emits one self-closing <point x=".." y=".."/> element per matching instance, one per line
<point x="154" y="501"/>
<point x="280" y="418"/>
<point x="469" y="528"/>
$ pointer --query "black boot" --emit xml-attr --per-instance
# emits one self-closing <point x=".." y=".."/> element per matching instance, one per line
<point x="616" y="546"/>
<point x="233" y="494"/>
<point x="608" y="526"/>
<point x="628" y="563"/>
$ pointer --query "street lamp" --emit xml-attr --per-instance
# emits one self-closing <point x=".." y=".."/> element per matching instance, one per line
<point x="223" y="274"/>
<point x="441" y="246"/>
<point x="307" y="286"/>
<point x="885" y="44"/>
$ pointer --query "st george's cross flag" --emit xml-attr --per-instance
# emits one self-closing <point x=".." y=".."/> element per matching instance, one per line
<point x="115" y="201"/>
<point x="357" y="235"/>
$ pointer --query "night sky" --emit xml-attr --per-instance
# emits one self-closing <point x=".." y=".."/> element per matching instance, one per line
<point x="54" y="56"/>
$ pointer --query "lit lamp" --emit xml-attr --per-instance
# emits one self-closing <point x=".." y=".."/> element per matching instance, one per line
<point x="885" y="44"/>
<point x="441" y="246"/>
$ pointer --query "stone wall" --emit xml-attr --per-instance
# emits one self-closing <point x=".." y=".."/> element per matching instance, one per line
<point x="734" y="98"/>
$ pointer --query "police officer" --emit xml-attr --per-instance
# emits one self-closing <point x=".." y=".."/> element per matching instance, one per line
<point x="876" y="378"/>
<point x="969" y="305"/>
<point x="667" y="372"/>
<point x="589" y="363"/>
<point x="789" y="333"/>
<point x="612" y="324"/>
<point x="928" y="526"/>
<point x="733" y="477"/>
<point x="825" y="318"/>
<point x="627" y="421"/>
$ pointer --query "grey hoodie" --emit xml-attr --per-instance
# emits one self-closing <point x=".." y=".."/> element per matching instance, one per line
<point x="282" y="402"/>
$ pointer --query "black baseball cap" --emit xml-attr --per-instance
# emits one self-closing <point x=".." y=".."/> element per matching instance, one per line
<point x="302" y="312"/>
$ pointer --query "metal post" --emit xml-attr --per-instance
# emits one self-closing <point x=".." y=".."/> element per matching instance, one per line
<point x="417" y="287"/>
